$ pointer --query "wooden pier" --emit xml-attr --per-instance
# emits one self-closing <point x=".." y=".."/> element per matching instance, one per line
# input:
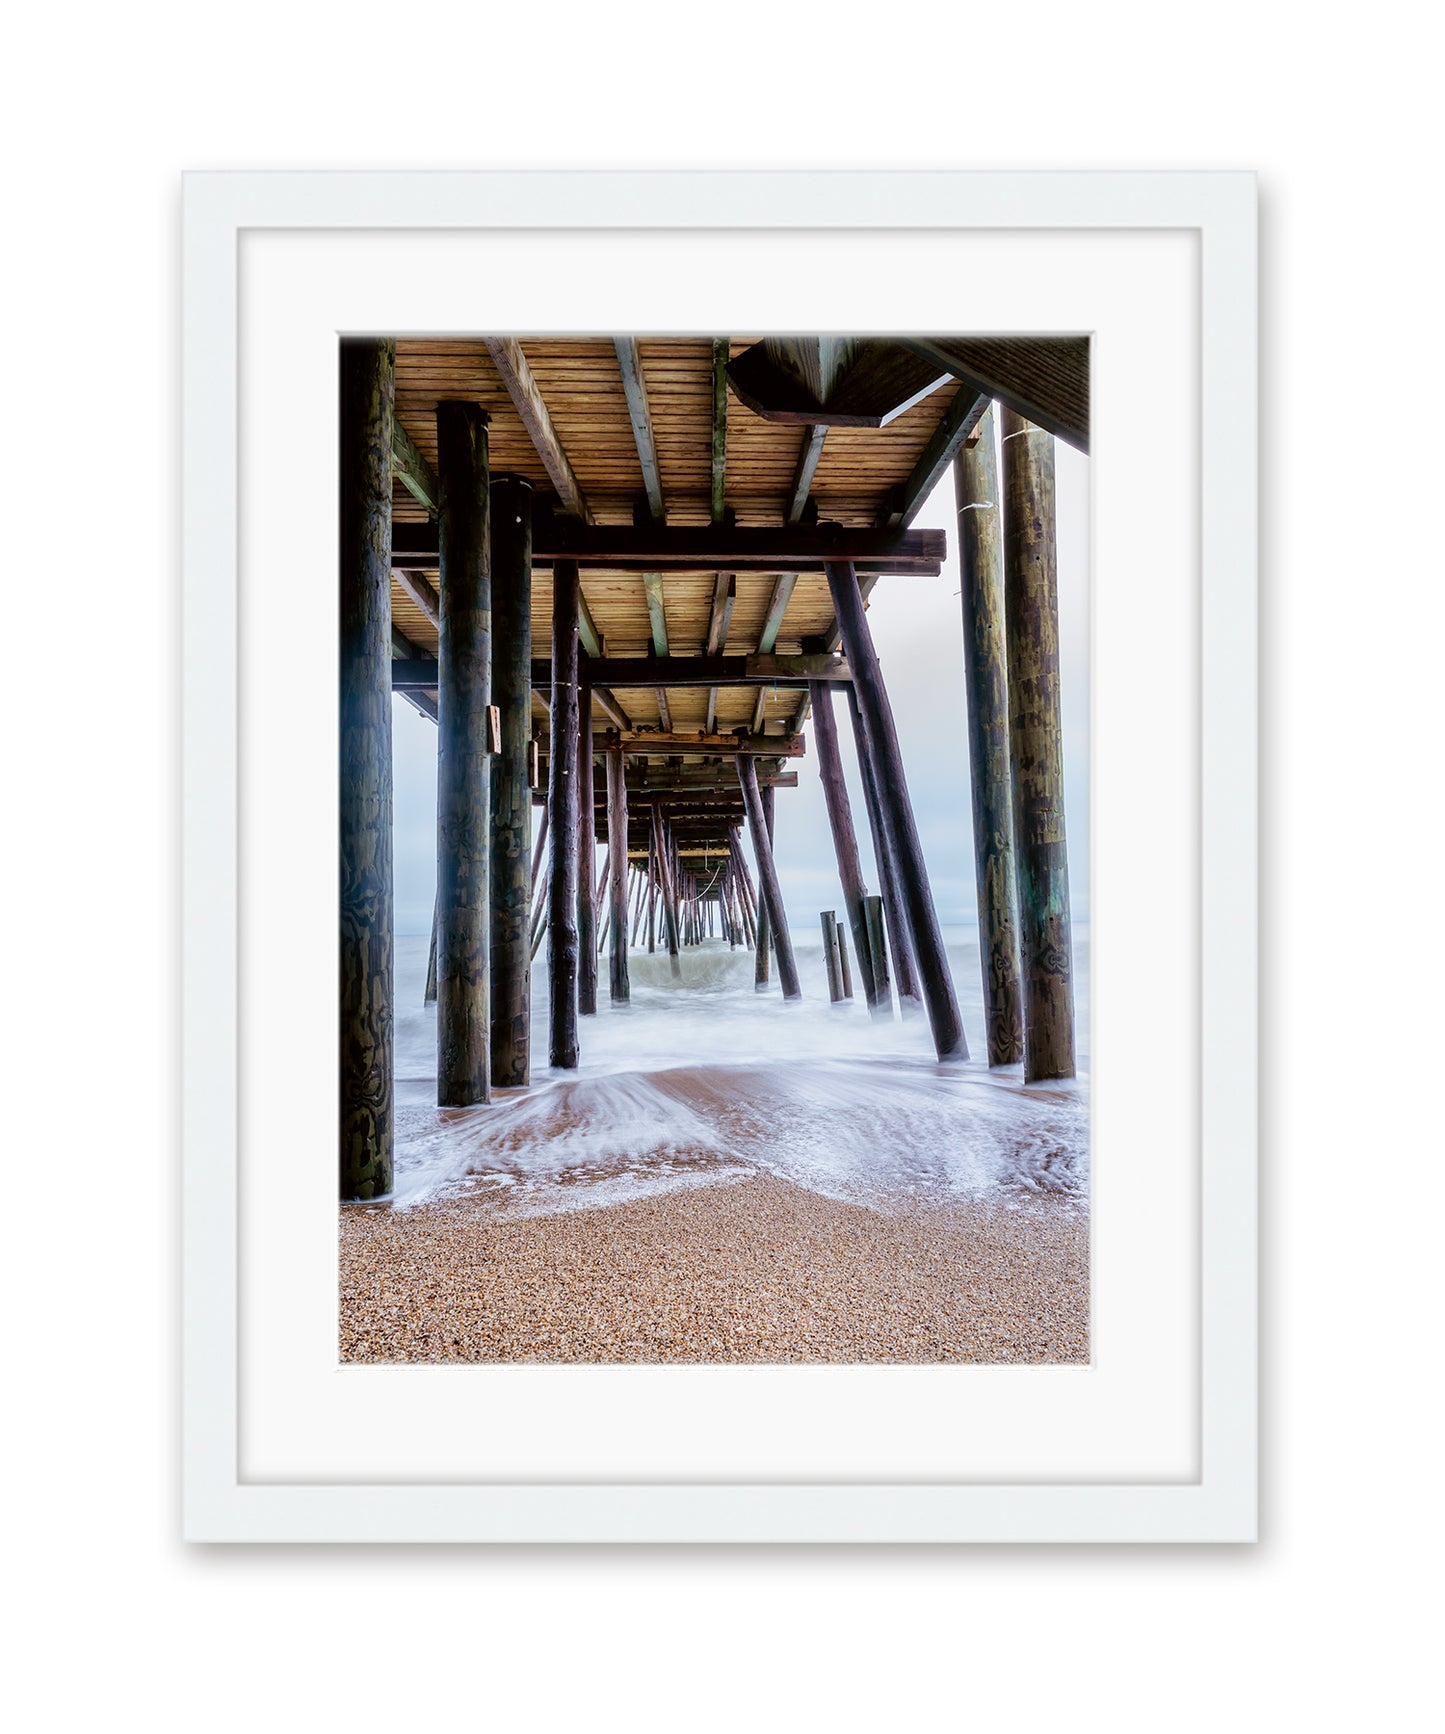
<point x="622" y="575"/>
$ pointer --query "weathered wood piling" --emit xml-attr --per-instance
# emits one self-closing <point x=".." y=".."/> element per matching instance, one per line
<point x="586" y="857"/>
<point x="511" y="816"/>
<point x="895" y="925"/>
<point x="896" y="807"/>
<point x="985" y="673"/>
<point x="845" y="839"/>
<point x="768" y="878"/>
<point x="562" y="805"/>
<point x="464" y="695"/>
<point x="367" y="386"/>
<point x="1036" y="749"/>
<point x="621" y="990"/>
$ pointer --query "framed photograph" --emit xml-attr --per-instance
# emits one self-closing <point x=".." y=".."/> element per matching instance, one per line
<point x="719" y="880"/>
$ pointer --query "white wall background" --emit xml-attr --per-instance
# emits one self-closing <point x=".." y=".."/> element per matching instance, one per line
<point x="1324" y="1624"/>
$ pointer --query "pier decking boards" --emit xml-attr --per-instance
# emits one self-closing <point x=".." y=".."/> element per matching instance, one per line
<point x="620" y="573"/>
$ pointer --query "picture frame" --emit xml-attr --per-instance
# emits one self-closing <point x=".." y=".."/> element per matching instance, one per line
<point x="888" y="1500"/>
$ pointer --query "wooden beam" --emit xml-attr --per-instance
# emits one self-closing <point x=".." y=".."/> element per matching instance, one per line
<point x="717" y="548"/>
<point x="634" y="388"/>
<point x="961" y="418"/>
<point x="1044" y="379"/>
<point x="422" y="593"/>
<point x="777" y="608"/>
<point x="656" y="613"/>
<point x="711" y="721"/>
<point x="760" y="710"/>
<point x="663" y="712"/>
<point x="419" y="674"/>
<point x="517" y="376"/>
<point x="641" y="743"/>
<point x="590" y="638"/>
<point x="721" y="347"/>
<point x="836" y="381"/>
<point x="610" y="708"/>
<point x="724" y="595"/>
<point x="648" y="779"/>
<point x="412" y="469"/>
<point x="812" y="450"/>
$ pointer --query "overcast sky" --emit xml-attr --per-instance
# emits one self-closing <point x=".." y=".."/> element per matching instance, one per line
<point x="917" y="626"/>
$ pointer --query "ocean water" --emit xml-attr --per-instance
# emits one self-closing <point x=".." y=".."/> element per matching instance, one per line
<point x="706" y="1081"/>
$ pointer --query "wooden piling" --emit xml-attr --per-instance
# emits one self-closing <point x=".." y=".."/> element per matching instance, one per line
<point x="429" y="993"/>
<point x="537" y="849"/>
<point x="652" y="887"/>
<point x="367" y="385"/>
<point x="586" y="857"/>
<point x="878" y="948"/>
<point x="464" y="695"/>
<point x="831" y="963"/>
<point x="669" y="904"/>
<point x="843" y="965"/>
<point x="896" y="807"/>
<point x="768" y="878"/>
<point x="511" y="869"/>
<point x="845" y="839"/>
<point x="895" y="925"/>
<point x="985" y="675"/>
<point x="762" y="970"/>
<point x="1036" y="749"/>
<point x="621" y="990"/>
<point x="562" y="805"/>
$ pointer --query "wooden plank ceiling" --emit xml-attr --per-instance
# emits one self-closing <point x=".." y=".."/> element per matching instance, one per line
<point x="857" y="473"/>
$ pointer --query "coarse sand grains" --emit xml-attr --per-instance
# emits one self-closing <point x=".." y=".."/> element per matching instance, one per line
<point x="751" y="1270"/>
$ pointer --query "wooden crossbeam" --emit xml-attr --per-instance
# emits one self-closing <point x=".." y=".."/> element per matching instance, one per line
<point x="522" y="388"/>
<point x="653" y="744"/>
<point x="422" y="593"/>
<point x="662" y="709"/>
<point x="656" y="613"/>
<point x="605" y="702"/>
<point x="1046" y="379"/>
<point x="403" y="648"/>
<point x="644" y="778"/>
<point x="724" y="595"/>
<point x="760" y="710"/>
<point x="720" y="350"/>
<point x="634" y="387"/>
<point x="836" y="381"/>
<point x="812" y="450"/>
<point x="777" y="608"/>
<point x="958" y="424"/>
<point x="591" y="639"/>
<point x="717" y="548"/>
<point x="833" y="637"/>
<point x="420" y="674"/>
<point x="414" y="472"/>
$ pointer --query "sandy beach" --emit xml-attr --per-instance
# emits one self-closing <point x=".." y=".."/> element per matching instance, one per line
<point x="755" y="1269"/>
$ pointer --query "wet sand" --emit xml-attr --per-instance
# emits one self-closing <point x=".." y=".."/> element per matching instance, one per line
<point x="749" y="1270"/>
